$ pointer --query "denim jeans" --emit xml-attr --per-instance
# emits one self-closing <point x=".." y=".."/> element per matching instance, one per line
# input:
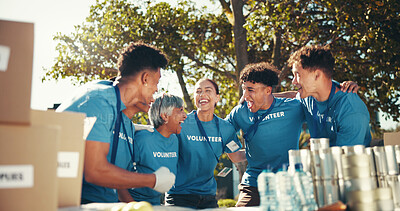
<point x="191" y="200"/>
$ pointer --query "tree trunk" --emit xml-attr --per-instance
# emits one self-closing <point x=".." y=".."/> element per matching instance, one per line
<point x="240" y="35"/>
<point x="186" y="96"/>
<point x="242" y="59"/>
<point x="276" y="56"/>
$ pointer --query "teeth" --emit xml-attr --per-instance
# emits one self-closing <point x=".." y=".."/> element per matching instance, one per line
<point x="203" y="101"/>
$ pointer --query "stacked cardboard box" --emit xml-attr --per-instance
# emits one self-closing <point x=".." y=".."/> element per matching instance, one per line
<point x="41" y="152"/>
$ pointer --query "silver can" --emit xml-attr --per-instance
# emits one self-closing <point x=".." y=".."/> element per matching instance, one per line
<point x="380" y="161"/>
<point x="393" y="168"/>
<point x="353" y="150"/>
<point x="319" y="143"/>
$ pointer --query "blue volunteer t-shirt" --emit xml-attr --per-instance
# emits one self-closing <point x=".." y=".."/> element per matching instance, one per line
<point x="152" y="150"/>
<point x="99" y="100"/>
<point x="278" y="132"/>
<point x="197" y="160"/>
<point x="347" y="121"/>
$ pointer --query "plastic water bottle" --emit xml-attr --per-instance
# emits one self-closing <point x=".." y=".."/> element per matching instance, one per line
<point x="304" y="188"/>
<point x="267" y="189"/>
<point x="286" y="194"/>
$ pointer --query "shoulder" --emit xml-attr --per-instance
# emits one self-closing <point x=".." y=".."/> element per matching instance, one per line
<point x="143" y="135"/>
<point x="290" y="102"/>
<point x="94" y="94"/>
<point x="350" y="102"/>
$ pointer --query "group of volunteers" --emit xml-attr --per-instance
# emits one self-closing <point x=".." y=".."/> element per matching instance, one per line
<point x="179" y="156"/>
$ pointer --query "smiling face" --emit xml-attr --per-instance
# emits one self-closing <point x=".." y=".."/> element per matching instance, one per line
<point x="175" y="120"/>
<point x="205" y="96"/>
<point x="304" y="80"/>
<point x="256" y="95"/>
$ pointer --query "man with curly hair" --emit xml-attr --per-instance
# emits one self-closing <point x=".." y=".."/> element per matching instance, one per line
<point x="271" y="127"/>
<point x="330" y="113"/>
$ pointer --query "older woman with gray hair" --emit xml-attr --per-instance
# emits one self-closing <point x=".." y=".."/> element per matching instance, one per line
<point x="156" y="149"/>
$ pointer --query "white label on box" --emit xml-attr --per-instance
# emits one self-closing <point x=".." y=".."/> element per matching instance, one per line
<point x="16" y="176"/>
<point x="68" y="163"/>
<point x="4" y="57"/>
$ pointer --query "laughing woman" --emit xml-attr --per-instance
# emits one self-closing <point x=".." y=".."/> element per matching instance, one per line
<point x="203" y="139"/>
<point x="153" y="150"/>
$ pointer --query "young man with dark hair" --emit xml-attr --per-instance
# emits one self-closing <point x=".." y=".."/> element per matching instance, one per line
<point x="271" y="127"/>
<point x="108" y="151"/>
<point x="330" y="113"/>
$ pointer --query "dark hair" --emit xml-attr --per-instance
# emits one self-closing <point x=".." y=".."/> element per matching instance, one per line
<point x="262" y="72"/>
<point x="212" y="82"/>
<point x="138" y="56"/>
<point x="314" y="57"/>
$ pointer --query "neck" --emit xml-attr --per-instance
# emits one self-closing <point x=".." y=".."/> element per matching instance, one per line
<point x="268" y="104"/>
<point x="164" y="131"/>
<point x="205" y="116"/>
<point x="324" y="91"/>
<point x="129" y="97"/>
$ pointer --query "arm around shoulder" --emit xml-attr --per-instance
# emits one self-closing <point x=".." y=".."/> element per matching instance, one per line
<point x="238" y="156"/>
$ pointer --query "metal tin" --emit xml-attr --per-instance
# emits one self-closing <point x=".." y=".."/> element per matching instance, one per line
<point x="393" y="168"/>
<point x="382" y="182"/>
<point x="353" y="150"/>
<point x="294" y="158"/>
<point x="319" y="192"/>
<point x="316" y="170"/>
<point x="355" y="160"/>
<point x="383" y="193"/>
<point x="380" y="160"/>
<point x="342" y="190"/>
<point x="385" y="205"/>
<point x="359" y="184"/>
<point x="365" y="196"/>
<point x="394" y="184"/>
<point x="356" y="172"/>
<point x="337" y="158"/>
<point x="369" y="151"/>
<point x="397" y="152"/>
<point x="331" y="191"/>
<point x="319" y="143"/>
<point x="371" y="206"/>
<point x="327" y="164"/>
<point x="305" y="158"/>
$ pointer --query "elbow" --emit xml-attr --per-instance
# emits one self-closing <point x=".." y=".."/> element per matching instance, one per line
<point x="90" y="177"/>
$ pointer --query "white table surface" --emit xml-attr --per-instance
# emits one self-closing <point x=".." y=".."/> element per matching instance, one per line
<point x="108" y="206"/>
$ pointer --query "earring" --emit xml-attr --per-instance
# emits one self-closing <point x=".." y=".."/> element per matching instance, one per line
<point x="166" y="122"/>
<point x="145" y="84"/>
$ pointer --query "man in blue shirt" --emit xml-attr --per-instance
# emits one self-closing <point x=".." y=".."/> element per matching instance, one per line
<point x="271" y="127"/>
<point x="330" y="113"/>
<point x="113" y="104"/>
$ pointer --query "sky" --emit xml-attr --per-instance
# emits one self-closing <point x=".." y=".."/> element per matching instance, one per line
<point x="50" y="17"/>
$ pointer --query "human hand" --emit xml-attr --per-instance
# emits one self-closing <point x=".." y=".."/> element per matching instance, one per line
<point x="349" y="86"/>
<point x="164" y="180"/>
<point x="149" y="128"/>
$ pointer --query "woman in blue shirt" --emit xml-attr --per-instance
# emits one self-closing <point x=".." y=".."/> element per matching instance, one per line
<point x="203" y="139"/>
<point x="153" y="150"/>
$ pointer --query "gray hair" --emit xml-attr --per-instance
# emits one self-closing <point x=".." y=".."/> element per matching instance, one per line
<point x="168" y="103"/>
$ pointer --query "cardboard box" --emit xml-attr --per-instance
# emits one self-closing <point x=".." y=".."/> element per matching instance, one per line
<point x="28" y="167"/>
<point x="70" y="153"/>
<point x="16" y="59"/>
<point x="391" y="138"/>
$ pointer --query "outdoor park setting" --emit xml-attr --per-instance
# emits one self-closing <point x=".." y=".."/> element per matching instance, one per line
<point x="217" y="40"/>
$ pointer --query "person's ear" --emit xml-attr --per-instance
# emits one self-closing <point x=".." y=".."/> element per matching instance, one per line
<point x="317" y="74"/>
<point x="165" y="117"/>
<point x="269" y="90"/>
<point x="145" y="78"/>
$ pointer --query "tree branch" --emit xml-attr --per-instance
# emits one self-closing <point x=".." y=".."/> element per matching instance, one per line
<point x="198" y="62"/>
